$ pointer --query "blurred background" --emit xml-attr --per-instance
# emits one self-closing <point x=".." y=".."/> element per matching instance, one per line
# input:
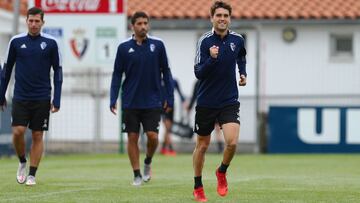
<point x="303" y="65"/>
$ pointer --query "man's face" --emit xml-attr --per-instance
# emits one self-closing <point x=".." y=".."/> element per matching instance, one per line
<point x="34" y="24"/>
<point x="141" y="27"/>
<point x="221" y="19"/>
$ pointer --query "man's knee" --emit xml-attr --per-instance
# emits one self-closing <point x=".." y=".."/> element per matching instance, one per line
<point x="231" y="146"/>
<point x="152" y="136"/>
<point x="202" y="147"/>
<point x="37" y="136"/>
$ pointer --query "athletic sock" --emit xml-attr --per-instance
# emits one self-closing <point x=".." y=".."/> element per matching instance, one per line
<point x="198" y="182"/>
<point x="22" y="159"/>
<point x="32" y="171"/>
<point x="147" y="160"/>
<point x="171" y="147"/>
<point x="137" y="173"/>
<point x="223" y="168"/>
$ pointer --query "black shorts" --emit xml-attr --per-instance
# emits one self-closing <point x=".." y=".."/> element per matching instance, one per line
<point x="32" y="114"/>
<point x="149" y="118"/>
<point x="168" y="115"/>
<point x="205" y="118"/>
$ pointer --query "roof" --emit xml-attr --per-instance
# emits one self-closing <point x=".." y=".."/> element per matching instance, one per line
<point x="242" y="9"/>
<point x="251" y="9"/>
<point x="8" y="5"/>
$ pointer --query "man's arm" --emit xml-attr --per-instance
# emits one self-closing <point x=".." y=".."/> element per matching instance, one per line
<point x="167" y="77"/>
<point x="116" y="80"/>
<point x="58" y="78"/>
<point x="6" y="72"/>
<point x="241" y="61"/>
<point x="204" y="60"/>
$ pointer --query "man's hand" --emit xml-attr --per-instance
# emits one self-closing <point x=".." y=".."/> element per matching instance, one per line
<point x="53" y="109"/>
<point x="214" y="51"/>
<point x="166" y="107"/>
<point x="3" y="106"/>
<point x="113" y="109"/>
<point x="242" y="81"/>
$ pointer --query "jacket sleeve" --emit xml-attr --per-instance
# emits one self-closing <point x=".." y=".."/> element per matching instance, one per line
<point x="203" y="61"/>
<point x="167" y="76"/>
<point x="116" y="77"/>
<point x="241" y="59"/>
<point x="58" y="75"/>
<point x="7" y="70"/>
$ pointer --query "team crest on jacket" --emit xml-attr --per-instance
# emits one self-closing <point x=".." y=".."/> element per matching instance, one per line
<point x="232" y="46"/>
<point x="43" y="45"/>
<point x="79" y="43"/>
<point x="152" y="47"/>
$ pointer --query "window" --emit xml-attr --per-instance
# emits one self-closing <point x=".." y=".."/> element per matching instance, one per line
<point x="342" y="47"/>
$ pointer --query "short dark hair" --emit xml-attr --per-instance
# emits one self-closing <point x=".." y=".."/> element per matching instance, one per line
<point x="138" y="14"/>
<point x="35" y="11"/>
<point x="220" y="4"/>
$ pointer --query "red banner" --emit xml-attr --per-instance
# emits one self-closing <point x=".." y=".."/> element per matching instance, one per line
<point x="81" y="6"/>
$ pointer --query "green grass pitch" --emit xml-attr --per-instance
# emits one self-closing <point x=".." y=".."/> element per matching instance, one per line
<point x="251" y="178"/>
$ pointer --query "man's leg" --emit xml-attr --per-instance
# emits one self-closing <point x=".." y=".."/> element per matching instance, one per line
<point x="231" y="136"/>
<point x="201" y="146"/>
<point x="134" y="156"/>
<point x="19" y="146"/>
<point x="37" y="148"/>
<point x="219" y="139"/>
<point x="152" y="143"/>
<point x="166" y="143"/>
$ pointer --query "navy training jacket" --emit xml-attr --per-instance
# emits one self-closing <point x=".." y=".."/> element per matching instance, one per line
<point x="218" y="86"/>
<point x="34" y="56"/>
<point x="145" y="67"/>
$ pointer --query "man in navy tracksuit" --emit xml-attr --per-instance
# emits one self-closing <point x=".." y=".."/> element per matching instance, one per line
<point x="143" y="60"/>
<point x="168" y="119"/>
<point x="34" y="54"/>
<point x="218" y="52"/>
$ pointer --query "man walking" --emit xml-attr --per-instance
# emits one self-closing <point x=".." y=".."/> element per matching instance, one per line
<point x="143" y="60"/>
<point x="34" y="54"/>
<point x="218" y="52"/>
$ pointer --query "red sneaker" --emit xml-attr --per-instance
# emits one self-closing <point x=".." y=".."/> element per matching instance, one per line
<point x="222" y="188"/>
<point x="163" y="151"/>
<point x="171" y="152"/>
<point x="199" y="195"/>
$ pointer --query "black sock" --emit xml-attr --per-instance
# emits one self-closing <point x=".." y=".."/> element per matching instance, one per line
<point x="171" y="147"/>
<point x="198" y="182"/>
<point x="223" y="168"/>
<point x="32" y="171"/>
<point x="163" y="145"/>
<point x="137" y="173"/>
<point x="22" y="159"/>
<point x="147" y="160"/>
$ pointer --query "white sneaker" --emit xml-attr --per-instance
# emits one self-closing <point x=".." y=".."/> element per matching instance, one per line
<point x="147" y="172"/>
<point x="30" y="181"/>
<point x="137" y="181"/>
<point x="21" y="173"/>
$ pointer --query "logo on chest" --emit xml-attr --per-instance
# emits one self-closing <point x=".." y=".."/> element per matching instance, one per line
<point x="152" y="47"/>
<point x="232" y="46"/>
<point x="43" y="45"/>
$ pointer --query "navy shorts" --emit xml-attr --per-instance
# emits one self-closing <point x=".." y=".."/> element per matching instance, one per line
<point x="149" y="118"/>
<point x="205" y="118"/>
<point x="32" y="114"/>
